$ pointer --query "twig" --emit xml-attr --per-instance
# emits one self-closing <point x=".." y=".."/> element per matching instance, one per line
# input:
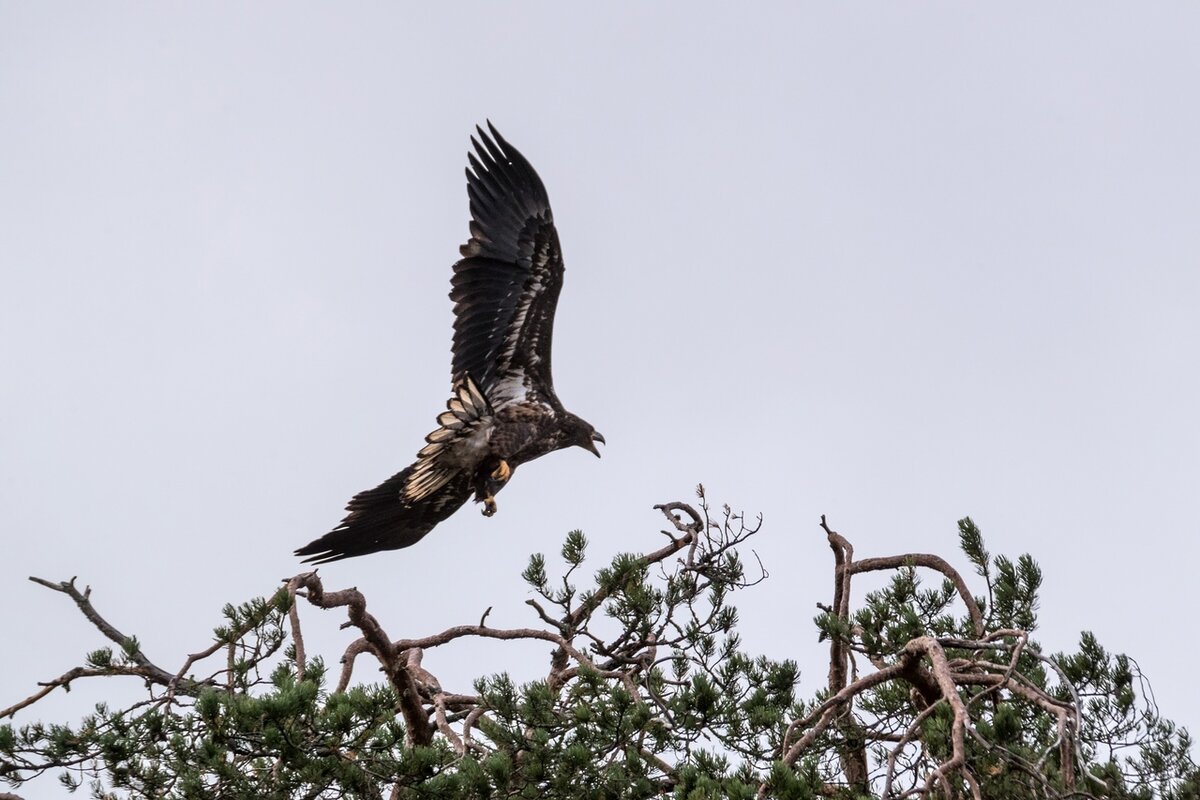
<point x="65" y="680"/>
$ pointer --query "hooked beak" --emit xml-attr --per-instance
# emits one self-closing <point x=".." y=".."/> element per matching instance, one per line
<point x="591" y="445"/>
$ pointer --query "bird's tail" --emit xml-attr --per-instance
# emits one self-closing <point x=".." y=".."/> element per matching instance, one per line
<point x="380" y="520"/>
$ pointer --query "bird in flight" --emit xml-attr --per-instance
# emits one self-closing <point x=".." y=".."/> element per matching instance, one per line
<point x="502" y="410"/>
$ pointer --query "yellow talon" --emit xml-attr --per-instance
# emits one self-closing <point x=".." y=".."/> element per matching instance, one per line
<point x="502" y="472"/>
<point x="489" y="505"/>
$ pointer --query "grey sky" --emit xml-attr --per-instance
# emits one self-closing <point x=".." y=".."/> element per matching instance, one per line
<point x="892" y="263"/>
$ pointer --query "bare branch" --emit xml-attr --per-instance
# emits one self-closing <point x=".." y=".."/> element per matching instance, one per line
<point x="82" y="599"/>
<point x="419" y="730"/>
<point x="297" y="637"/>
<point x="824" y="714"/>
<point x="929" y="561"/>
<point x="70" y="675"/>
<point x="357" y="647"/>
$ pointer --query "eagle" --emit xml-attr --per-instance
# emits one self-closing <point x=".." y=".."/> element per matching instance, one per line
<point x="502" y="410"/>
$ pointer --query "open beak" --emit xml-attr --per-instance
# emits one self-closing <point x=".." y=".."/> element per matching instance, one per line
<point x="592" y="444"/>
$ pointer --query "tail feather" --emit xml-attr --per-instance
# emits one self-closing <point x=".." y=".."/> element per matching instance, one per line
<point x="380" y="519"/>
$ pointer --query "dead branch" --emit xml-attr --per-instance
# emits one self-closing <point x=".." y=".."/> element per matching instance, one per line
<point x="936" y="681"/>
<point x="297" y="636"/>
<point x="70" y="675"/>
<point x="854" y="760"/>
<point x="357" y="647"/>
<point x="83" y="601"/>
<point x="928" y="561"/>
<point x="144" y="668"/>
<point x="962" y="720"/>
<point x="420" y="732"/>
<point x="824" y="714"/>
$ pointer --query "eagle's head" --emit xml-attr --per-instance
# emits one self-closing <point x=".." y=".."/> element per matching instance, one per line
<point x="580" y="433"/>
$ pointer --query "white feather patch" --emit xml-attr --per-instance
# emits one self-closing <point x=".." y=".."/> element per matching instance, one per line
<point x="459" y="442"/>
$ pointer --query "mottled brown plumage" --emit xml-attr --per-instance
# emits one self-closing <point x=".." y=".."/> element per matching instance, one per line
<point x="503" y="411"/>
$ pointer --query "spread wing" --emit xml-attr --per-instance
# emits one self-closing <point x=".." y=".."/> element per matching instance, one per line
<point x="401" y="510"/>
<point x="506" y="287"/>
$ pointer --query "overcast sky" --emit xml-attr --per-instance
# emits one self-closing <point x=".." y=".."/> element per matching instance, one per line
<point x="892" y="263"/>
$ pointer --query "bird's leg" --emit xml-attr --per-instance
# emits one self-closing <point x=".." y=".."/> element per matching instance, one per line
<point x="490" y="481"/>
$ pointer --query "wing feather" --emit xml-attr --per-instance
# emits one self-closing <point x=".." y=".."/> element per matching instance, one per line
<point x="505" y="289"/>
<point x="448" y="449"/>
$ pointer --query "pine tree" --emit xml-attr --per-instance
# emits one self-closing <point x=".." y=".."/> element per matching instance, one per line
<point x="933" y="691"/>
